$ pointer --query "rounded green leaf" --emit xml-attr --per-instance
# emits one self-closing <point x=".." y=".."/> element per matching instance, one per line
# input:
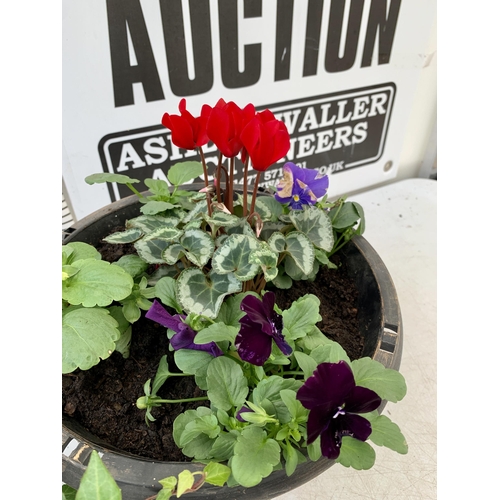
<point x="106" y="177"/>
<point x="182" y="173"/>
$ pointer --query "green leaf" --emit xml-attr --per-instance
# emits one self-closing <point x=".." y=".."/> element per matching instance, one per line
<point x="314" y="450"/>
<point x="199" y="447"/>
<point x="88" y="334"/>
<point x="97" y="483"/>
<point x="165" y="291"/>
<point x="186" y="480"/>
<point x="162" y="374"/>
<point x="195" y="363"/>
<point x="227" y="386"/>
<point x="202" y="294"/>
<point x="356" y="454"/>
<point x="233" y="256"/>
<point x="313" y="339"/>
<point x="216" y="474"/>
<point x="223" y="447"/>
<point x="158" y="187"/>
<point x="155" y="207"/>
<point x="387" y="433"/>
<point x="97" y="283"/>
<point x="151" y="250"/>
<point x="150" y="223"/>
<point x="315" y="224"/>
<point x="68" y="493"/>
<point x="346" y="217"/>
<point x="307" y="363"/>
<point x="254" y="456"/>
<point x="389" y="384"/>
<point x="132" y="264"/>
<point x="302" y="315"/>
<point x="182" y="173"/>
<point x="122" y="345"/>
<point x="216" y="332"/>
<point x="330" y="353"/>
<point x="230" y="312"/>
<point x="207" y="424"/>
<point x="80" y="251"/>
<point x="106" y="177"/>
<point x="274" y="207"/>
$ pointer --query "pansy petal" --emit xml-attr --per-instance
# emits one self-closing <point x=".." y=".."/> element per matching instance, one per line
<point x="362" y="400"/>
<point x="284" y="347"/>
<point x="329" y="384"/>
<point x="317" y="422"/>
<point x="253" y="345"/>
<point x="183" y="339"/>
<point x="330" y="443"/>
<point x="352" y="425"/>
<point x="159" y="314"/>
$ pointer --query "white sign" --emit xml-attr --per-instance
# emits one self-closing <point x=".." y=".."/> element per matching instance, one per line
<point x="341" y="74"/>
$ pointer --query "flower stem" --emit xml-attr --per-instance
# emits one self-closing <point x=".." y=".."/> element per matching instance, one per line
<point x="187" y="400"/>
<point x="132" y="188"/>
<point x="256" y="186"/>
<point x="245" y="188"/>
<point x="219" y="166"/>
<point x="205" y="173"/>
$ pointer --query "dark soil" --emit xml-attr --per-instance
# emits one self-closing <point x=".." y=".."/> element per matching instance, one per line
<point x="103" y="398"/>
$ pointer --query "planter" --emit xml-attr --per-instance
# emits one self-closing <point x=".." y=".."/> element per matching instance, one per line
<point x="380" y="324"/>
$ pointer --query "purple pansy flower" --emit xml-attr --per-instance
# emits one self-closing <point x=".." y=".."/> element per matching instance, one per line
<point x="300" y="186"/>
<point x="259" y="327"/>
<point x="184" y="335"/>
<point x="334" y="399"/>
<point x="243" y="409"/>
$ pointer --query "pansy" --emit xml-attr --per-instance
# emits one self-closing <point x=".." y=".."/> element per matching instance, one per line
<point x="188" y="132"/>
<point x="334" y="400"/>
<point x="184" y="335"/>
<point x="300" y="186"/>
<point x="259" y="327"/>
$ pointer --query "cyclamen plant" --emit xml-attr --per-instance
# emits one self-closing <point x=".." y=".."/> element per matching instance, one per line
<point x="278" y="391"/>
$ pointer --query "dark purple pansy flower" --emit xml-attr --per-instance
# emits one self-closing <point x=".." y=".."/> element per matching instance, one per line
<point x="259" y="327"/>
<point x="300" y="186"/>
<point x="334" y="399"/>
<point x="184" y="335"/>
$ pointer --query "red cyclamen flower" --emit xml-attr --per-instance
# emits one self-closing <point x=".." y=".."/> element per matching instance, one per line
<point x="188" y="132"/>
<point x="225" y="123"/>
<point x="265" y="139"/>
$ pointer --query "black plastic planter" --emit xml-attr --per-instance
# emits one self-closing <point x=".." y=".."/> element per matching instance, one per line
<point x="381" y="325"/>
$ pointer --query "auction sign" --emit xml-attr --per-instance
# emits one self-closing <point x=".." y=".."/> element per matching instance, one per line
<point x="341" y="74"/>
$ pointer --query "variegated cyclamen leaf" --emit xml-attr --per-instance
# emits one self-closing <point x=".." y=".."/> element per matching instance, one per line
<point x="277" y="242"/>
<point x="199" y="246"/>
<point x="315" y="224"/>
<point x="270" y="228"/>
<point x="202" y="294"/>
<point x="165" y="233"/>
<point x="243" y="227"/>
<point x="233" y="256"/>
<point x="197" y="212"/>
<point x="301" y="250"/>
<point x="127" y="236"/>
<point x="221" y="219"/>
<point x="266" y="259"/>
<point x="151" y="250"/>
<point x="261" y="207"/>
<point x="149" y="223"/>
<point x="173" y="253"/>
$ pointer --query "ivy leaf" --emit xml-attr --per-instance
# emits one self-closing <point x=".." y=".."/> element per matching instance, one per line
<point x="254" y="456"/>
<point x="186" y="480"/>
<point x="202" y="294"/>
<point x="356" y="454"/>
<point x="68" y="493"/>
<point x="387" y="433"/>
<point x="389" y="384"/>
<point x="227" y="385"/>
<point x="182" y="173"/>
<point x="216" y="474"/>
<point x="88" y="334"/>
<point x="97" y="483"/>
<point x="97" y="283"/>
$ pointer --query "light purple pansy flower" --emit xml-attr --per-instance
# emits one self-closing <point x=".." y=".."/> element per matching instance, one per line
<point x="259" y="327"/>
<point x="184" y="334"/>
<point x="300" y="186"/>
<point x="334" y="400"/>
